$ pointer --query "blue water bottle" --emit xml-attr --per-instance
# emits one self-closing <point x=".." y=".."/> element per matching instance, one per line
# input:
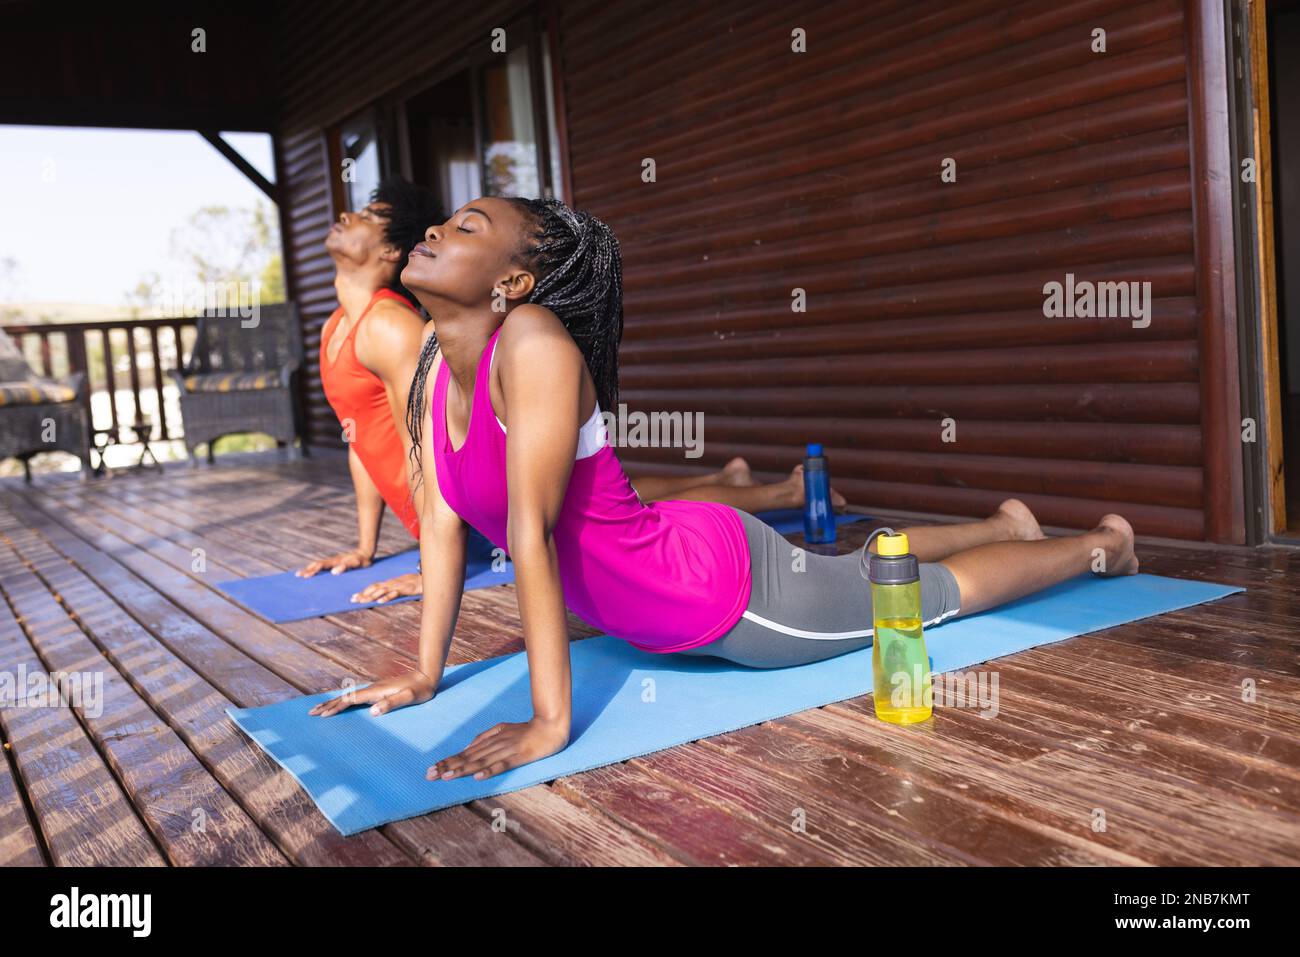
<point x="818" y="519"/>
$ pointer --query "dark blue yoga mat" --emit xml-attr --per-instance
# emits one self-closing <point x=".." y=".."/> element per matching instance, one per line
<point x="787" y="521"/>
<point x="363" y="771"/>
<point x="286" y="597"/>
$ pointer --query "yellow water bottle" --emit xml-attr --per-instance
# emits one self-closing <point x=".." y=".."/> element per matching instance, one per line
<point x="899" y="664"/>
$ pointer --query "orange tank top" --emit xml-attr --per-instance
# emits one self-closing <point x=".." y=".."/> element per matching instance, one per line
<point x="357" y="394"/>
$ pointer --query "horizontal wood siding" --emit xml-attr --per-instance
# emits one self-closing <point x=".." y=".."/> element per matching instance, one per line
<point x="306" y="216"/>
<point x="821" y="171"/>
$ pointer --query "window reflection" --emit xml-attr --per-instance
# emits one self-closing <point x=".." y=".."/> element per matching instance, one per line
<point x="359" y="142"/>
<point x="510" y="137"/>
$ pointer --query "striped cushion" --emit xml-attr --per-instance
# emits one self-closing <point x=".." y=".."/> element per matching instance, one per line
<point x="232" y="381"/>
<point x="34" y="392"/>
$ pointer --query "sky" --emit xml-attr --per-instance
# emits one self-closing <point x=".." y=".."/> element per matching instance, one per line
<point x="88" y="212"/>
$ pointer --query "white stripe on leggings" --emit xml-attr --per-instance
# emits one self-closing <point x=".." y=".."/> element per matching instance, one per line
<point x="829" y="635"/>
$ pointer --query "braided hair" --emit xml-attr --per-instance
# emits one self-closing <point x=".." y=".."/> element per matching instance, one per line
<point x="579" y="270"/>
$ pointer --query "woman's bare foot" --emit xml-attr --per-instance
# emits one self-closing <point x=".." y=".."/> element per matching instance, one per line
<point x="1018" y="521"/>
<point x="792" y="492"/>
<point x="736" y="472"/>
<point x="398" y="587"/>
<point x="1120" y="558"/>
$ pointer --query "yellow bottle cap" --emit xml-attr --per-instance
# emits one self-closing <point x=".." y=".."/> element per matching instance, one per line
<point x="891" y="544"/>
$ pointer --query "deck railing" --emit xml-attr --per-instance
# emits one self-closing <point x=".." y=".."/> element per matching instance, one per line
<point x="63" y="348"/>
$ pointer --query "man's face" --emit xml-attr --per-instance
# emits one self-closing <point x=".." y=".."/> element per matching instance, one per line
<point x="359" y="237"/>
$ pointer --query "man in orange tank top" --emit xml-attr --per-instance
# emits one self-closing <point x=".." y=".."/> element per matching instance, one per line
<point x="369" y="347"/>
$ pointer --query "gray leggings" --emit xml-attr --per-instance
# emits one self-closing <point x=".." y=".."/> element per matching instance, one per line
<point x="796" y="617"/>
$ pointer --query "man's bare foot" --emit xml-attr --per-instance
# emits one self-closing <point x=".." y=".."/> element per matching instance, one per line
<point x="1019" y="521"/>
<point x="792" y="492"/>
<point x="398" y="587"/>
<point x="736" y="472"/>
<point x="1120" y="557"/>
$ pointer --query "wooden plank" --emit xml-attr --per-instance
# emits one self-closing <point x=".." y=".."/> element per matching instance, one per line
<point x="310" y="837"/>
<point x="188" y="812"/>
<point x="347" y="641"/>
<point x="487" y="626"/>
<point x="1202" y="634"/>
<point x="568" y="833"/>
<point x="916" y="92"/>
<point x="18" y="845"/>
<point x="864" y="814"/>
<point x="1174" y="681"/>
<point x="1178" y="827"/>
<point x="1167" y="403"/>
<point x="696" y="830"/>
<point x="1237" y="757"/>
<point x="184" y="613"/>
<point x="83" y="814"/>
<point x="196" y="711"/>
<point x="352" y="649"/>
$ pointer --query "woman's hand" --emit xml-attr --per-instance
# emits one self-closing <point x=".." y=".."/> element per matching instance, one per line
<point x="414" y="687"/>
<point x="399" y="587"/>
<point x="337" y="563"/>
<point x="503" y="747"/>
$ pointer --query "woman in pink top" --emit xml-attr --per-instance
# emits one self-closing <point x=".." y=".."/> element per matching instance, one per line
<point x="505" y="408"/>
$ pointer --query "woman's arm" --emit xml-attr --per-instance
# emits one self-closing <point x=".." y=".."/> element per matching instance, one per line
<point x="389" y="345"/>
<point x="443" y="537"/>
<point x="541" y="375"/>
<point x="370" y="512"/>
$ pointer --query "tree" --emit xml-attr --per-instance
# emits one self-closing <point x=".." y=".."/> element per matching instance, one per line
<point x="219" y="245"/>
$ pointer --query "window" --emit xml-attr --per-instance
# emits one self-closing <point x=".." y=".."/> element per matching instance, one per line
<point x="359" y="160"/>
<point x="488" y="127"/>
<point x="510" y="153"/>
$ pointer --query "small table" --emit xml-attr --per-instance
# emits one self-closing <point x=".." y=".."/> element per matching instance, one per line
<point x="142" y="427"/>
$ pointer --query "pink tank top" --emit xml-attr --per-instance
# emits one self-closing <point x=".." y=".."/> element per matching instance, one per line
<point x="662" y="577"/>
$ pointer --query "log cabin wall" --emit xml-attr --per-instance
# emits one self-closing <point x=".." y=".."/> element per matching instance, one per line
<point x="923" y="359"/>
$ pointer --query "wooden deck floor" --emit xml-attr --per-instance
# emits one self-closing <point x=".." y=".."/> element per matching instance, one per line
<point x="1142" y="724"/>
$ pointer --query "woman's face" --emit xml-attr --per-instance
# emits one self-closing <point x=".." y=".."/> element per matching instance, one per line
<point x="464" y="259"/>
<point x="359" y="236"/>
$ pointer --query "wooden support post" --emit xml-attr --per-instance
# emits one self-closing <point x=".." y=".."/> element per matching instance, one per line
<point x="1216" y="281"/>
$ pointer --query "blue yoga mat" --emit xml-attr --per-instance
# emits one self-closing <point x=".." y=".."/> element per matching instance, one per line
<point x="787" y="521"/>
<point x="286" y="597"/>
<point x="363" y="771"/>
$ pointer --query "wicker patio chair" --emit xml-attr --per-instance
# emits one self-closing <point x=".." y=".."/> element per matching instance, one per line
<point x="241" y="379"/>
<point x="39" y="414"/>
